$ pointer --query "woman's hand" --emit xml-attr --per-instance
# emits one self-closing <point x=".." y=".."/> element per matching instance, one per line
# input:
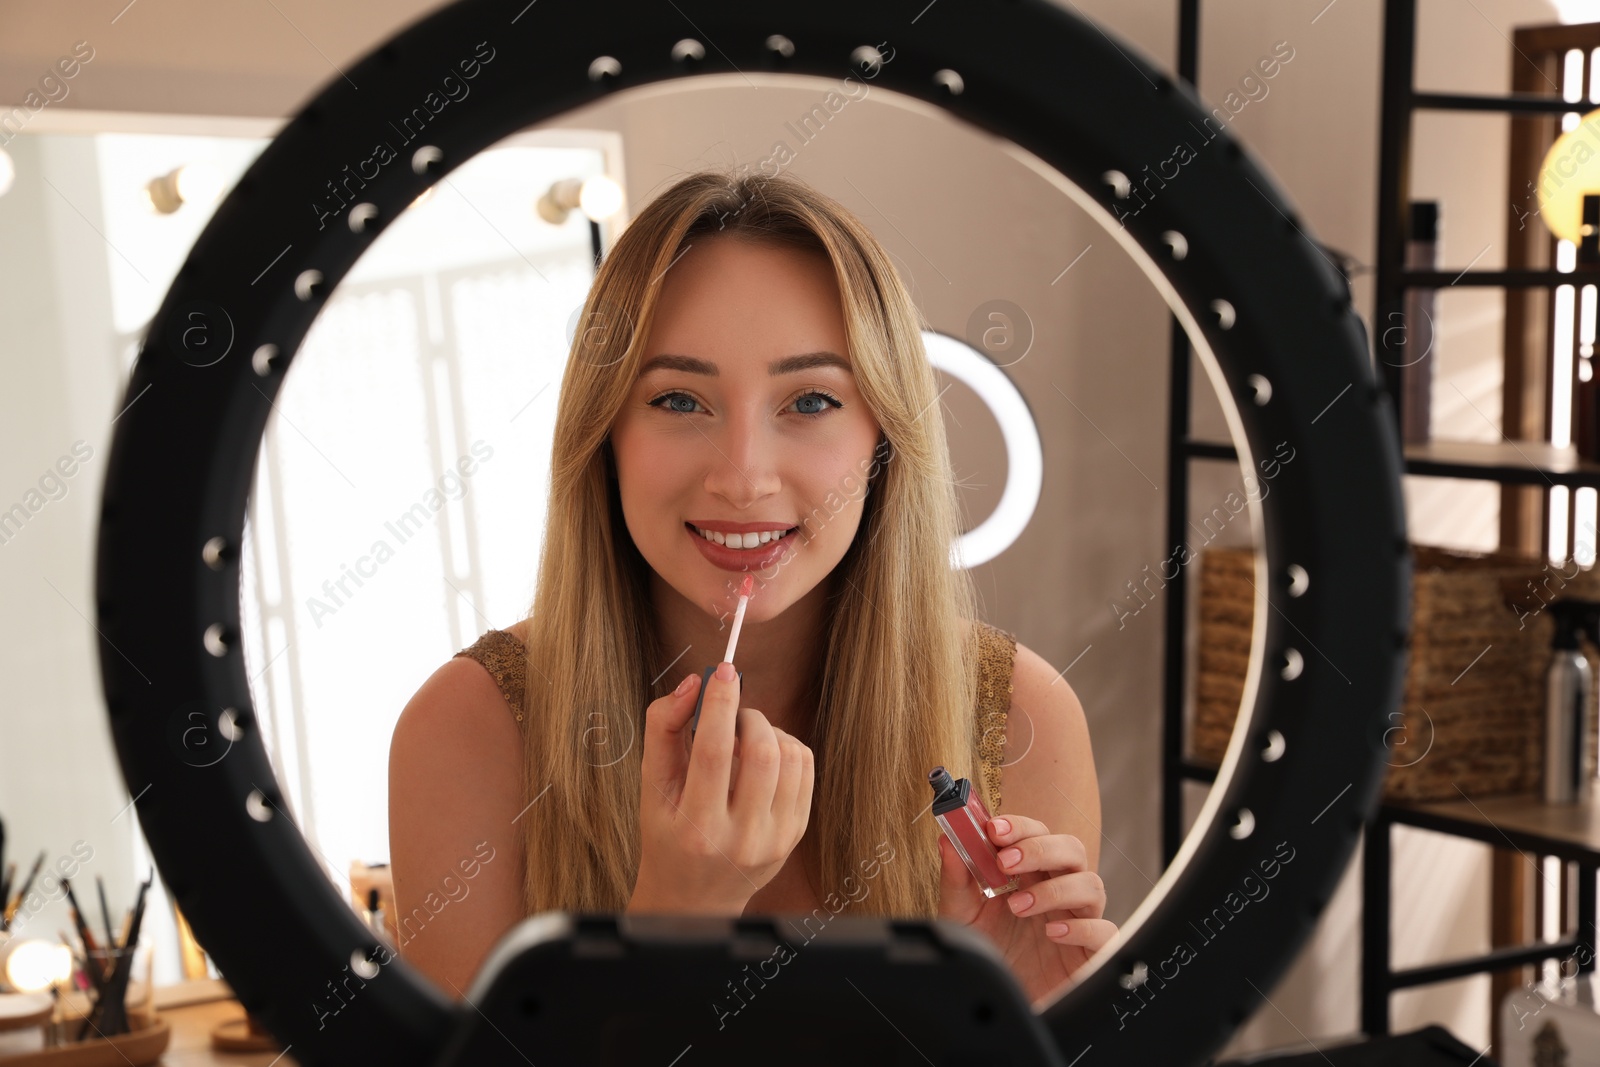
<point x="718" y="820"/>
<point x="1051" y="923"/>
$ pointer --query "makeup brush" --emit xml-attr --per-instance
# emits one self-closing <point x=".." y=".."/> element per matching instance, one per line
<point x="114" y="998"/>
<point x="105" y="914"/>
<point x="96" y="974"/>
<point x="746" y="588"/>
<point x="5" y="890"/>
<point x="27" y="884"/>
<point x="79" y="978"/>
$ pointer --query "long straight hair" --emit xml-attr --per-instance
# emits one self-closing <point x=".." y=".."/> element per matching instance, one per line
<point x="896" y="696"/>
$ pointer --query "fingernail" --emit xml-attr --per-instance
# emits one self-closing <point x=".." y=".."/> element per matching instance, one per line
<point x="683" y="686"/>
<point x="1021" y="902"/>
<point x="1055" y="929"/>
<point x="1002" y="827"/>
<point x="726" y="672"/>
<point x="1010" y="856"/>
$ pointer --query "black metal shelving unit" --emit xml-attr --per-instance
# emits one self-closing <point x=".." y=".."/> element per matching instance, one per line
<point x="1504" y="462"/>
<point x="1484" y="823"/>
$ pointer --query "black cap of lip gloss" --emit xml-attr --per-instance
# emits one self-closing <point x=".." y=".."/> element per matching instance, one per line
<point x="948" y="794"/>
<point x="705" y="680"/>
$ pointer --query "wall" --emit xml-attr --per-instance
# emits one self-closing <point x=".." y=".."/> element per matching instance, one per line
<point x="59" y="783"/>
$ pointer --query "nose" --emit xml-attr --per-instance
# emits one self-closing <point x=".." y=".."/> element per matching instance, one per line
<point x="743" y="462"/>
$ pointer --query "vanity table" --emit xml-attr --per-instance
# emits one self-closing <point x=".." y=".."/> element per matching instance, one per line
<point x="191" y="1038"/>
<point x="193" y="1009"/>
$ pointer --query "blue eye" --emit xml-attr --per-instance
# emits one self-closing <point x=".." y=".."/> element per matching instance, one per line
<point x="672" y="399"/>
<point x="811" y="404"/>
<point x="823" y="400"/>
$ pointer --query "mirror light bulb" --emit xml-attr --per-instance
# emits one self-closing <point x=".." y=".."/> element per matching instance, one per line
<point x="601" y="198"/>
<point x="199" y="183"/>
<point x="33" y="965"/>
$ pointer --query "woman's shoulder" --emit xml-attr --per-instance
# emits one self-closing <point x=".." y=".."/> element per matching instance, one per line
<point x="1035" y="681"/>
<point x="1048" y="755"/>
<point x="503" y="655"/>
<point x="456" y="717"/>
<point x="1012" y="675"/>
<point x="463" y="703"/>
<point x="455" y="786"/>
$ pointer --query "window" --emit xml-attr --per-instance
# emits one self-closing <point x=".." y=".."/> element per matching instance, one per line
<point x="399" y="495"/>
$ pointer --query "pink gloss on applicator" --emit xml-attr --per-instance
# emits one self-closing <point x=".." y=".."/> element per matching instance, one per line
<point x="746" y="588"/>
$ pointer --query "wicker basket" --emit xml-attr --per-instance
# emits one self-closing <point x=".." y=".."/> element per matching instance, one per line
<point x="1472" y="718"/>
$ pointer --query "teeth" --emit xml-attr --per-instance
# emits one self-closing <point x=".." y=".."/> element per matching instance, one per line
<point x="741" y="541"/>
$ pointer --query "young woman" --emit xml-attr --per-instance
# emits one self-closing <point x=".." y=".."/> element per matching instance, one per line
<point x="749" y="394"/>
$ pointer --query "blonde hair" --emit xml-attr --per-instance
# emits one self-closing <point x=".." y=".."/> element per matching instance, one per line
<point x="897" y="692"/>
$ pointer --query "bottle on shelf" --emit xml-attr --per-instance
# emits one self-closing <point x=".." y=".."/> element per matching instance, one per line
<point x="1569" y="693"/>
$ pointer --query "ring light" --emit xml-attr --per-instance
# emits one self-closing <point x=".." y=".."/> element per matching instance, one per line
<point x="1024" y="454"/>
<point x="1261" y="306"/>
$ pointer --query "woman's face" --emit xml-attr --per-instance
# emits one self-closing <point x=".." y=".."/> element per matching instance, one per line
<point x="745" y="420"/>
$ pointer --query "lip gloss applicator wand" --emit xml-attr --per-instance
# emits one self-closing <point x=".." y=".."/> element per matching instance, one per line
<point x="746" y="587"/>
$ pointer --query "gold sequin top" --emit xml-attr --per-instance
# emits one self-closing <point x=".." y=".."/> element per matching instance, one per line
<point x="505" y="658"/>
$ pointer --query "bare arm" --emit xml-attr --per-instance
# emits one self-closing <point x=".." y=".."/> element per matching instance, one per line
<point x="1051" y="772"/>
<point x="455" y="785"/>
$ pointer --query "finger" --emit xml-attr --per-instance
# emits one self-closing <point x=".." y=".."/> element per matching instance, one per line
<point x="808" y="780"/>
<point x="666" y="722"/>
<point x="760" y="761"/>
<point x="1092" y="934"/>
<point x="1052" y="852"/>
<point x="1018" y="828"/>
<point x="711" y="758"/>
<point x="783" y="798"/>
<point x="1067" y="892"/>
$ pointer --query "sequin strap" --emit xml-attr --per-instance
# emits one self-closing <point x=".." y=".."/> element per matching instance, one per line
<point x="504" y="657"/>
<point x="997" y="653"/>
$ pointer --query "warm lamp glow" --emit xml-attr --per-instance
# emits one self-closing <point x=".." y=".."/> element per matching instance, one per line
<point x="598" y="197"/>
<point x="33" y="965"/>
<point x="200" y="182"/>
<point x="193" y="183"/>
<point x="1571" y="170"/>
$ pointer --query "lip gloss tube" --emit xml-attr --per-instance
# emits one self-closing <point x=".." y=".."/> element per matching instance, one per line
<point x="964" y="818"/>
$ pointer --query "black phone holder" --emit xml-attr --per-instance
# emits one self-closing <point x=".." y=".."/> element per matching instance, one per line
<point x="581" y="988"/>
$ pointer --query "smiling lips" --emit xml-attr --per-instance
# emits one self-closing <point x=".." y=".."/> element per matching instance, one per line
<point x="753" y="535"/>
<point x="719" y="547"/>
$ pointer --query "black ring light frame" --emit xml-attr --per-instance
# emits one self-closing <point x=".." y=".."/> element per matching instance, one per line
<point x="1269" y="317"/>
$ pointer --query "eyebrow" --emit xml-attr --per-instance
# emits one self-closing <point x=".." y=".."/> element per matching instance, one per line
<point x="786" y="365"/>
